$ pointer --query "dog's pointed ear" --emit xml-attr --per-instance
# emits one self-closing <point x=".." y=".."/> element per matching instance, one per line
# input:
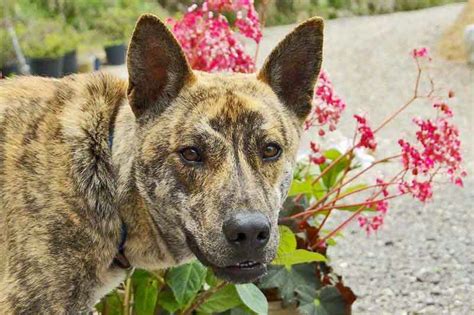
<point x="157" y="67"/>
<point x="293" y="66"/>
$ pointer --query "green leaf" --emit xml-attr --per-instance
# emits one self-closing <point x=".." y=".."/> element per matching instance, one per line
<point x="306" y="187"/>
<point x="287" y="253"/>
<point x="287" y="280"/>
<point x="253" y="298"/>
<point x="221" y="301"/>
<point x="332" y="154"/>
<point x="145" y="292"/>
<point x="357" y="208"/>
<point x="327" y="301"/>
<point x="330" y="178"/>
<point x="112" y="304"/>
<point x="185" y="281"/>
<point x="287" y="240"/>
<point x="211" y="279"/>
<point x="354" y="188"/>
<point x="298" y="256"/>
<point x="167" y="300"/>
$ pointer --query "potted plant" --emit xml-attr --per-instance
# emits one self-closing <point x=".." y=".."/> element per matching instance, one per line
<point x="115" y="27"/>
<point x="44" y="47"/>
<point x="8" y="63"/>
<point x="70" y="43"/>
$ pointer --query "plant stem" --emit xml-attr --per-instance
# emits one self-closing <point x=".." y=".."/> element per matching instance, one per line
<point x="202" y="298"/>
<point x="128" y="296"/>
<point x="354" y="215"/>
<point x="308" y="212"/>
<point x="326" y="170"/>
<point x="404" y="106"/>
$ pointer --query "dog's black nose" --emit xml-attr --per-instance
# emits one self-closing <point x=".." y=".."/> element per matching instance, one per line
<point x="247" y="230"/>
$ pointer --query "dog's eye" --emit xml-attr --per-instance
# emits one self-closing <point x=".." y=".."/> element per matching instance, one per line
<point x="191" y="155"/>
<point x="271" y="152"/>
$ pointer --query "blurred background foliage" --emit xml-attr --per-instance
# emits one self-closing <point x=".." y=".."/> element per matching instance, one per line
<point x="93" y="23"/>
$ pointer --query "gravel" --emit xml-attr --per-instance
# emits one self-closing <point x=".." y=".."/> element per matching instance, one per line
<point x="422" y="261"/>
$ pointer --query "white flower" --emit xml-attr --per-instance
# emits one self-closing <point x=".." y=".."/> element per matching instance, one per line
<point x="362" y="158"/>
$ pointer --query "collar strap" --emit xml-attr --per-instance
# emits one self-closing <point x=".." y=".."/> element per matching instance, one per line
<point x="120" y="259"/>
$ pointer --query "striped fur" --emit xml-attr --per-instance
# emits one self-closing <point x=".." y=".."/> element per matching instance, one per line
<point x="64" y="192"/>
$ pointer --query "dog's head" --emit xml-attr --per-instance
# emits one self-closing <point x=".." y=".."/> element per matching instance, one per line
<point x="216" y="151"/>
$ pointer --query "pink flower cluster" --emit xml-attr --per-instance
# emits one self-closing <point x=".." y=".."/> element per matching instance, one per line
<point x="422" y="52"/>
<point x="438" y="150"/>
<point x="327" y="106"/>
<point x="373" y="223"/>
<point x="370" y="223"/>
<point x="208" y="40"/>
<point x="367" y="139"/>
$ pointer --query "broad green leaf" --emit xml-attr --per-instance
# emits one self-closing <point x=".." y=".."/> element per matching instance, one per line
<point x="253" y="298"/>
<point x="221" y="301"/>
<point x="287" y="253"/>
<point x="287" y="240"/>
<point x="211" y="279"/>
<point x="185" y="281"/>
<point x="111" y="304"/>
<point x="298" y="256"/>
<point x="167" y="300"/>
<point x="145" y="288"/>
<point x="306" y="187"/>
<point x="331" y="177"/>
<point x="287" y="280"/>
<point x="327" y="301"/>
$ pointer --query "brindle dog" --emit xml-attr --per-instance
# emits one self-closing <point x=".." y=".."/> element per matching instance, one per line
<point x="99" y="174"/>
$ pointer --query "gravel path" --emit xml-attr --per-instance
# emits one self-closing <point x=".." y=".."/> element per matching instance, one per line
<point x="422" y="261"/>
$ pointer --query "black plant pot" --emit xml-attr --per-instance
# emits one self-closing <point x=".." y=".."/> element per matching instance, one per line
<point x="70" y="63"/>
<point x="9" y="69"/>
<point x="47" y="67"/>
<point x="115" y="54"/>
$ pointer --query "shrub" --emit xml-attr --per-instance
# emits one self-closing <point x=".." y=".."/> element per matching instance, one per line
<point x="7" y="53"/>
<point x="44" y="38"/>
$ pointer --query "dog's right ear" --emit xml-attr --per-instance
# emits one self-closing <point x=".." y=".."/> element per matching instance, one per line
<point x="157" y="67"/>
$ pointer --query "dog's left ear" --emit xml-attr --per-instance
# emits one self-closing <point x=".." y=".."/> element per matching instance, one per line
<point x="157" y="67"/>
<point x="293" y="66"/>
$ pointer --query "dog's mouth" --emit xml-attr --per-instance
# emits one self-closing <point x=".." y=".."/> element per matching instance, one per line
<point x="240" y="272"/>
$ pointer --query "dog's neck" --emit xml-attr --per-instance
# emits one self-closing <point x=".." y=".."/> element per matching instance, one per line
<point x="142" y="246"/>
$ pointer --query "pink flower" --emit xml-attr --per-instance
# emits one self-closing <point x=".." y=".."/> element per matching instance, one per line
<point x="444" y="108"/>
<point x="383" y="185"/>
<point x="421" y="190"/>
<point x="316" y="156"/>
<point x="209" y="41"/>
<point x="422" y="52"/>
<point x="439" y="146"/>
<point x="370" y="224"/>
<point x="327" y="106"/>
<point x="367" y="139"/>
